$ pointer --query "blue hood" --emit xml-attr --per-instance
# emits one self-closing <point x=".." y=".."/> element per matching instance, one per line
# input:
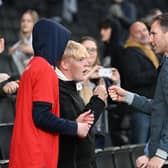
<point x="49" y="40"/>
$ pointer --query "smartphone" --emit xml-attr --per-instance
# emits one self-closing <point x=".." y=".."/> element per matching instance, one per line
<point x="105" y="72"/>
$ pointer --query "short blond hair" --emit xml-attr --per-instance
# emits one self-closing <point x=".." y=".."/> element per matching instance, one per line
<point x="33" y="14"/>
<point x="75" y="50"/>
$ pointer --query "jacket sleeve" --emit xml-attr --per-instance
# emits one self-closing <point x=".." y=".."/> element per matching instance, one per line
<point x="96" y="105"/>
<point x="163" y="145"/>
<point x="47" y="121"/>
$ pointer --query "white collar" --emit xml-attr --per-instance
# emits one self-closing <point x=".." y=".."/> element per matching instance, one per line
<point x="64" y="78"/>
<point x="61" y="75"/>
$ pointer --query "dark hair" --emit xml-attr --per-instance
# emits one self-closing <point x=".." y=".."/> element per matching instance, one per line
<point x="163" y="21"/>
<point x="84" y="38"/>
<point x="116" y="29"/>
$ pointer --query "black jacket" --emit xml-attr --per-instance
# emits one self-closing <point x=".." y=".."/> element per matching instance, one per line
<point x="139" y="73"/>
<point x="76" y="152"/>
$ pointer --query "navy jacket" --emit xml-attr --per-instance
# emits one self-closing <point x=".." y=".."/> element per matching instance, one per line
<point x="49" y="42"/>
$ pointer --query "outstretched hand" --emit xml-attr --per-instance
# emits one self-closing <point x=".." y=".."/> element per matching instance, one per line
<point x="117" y="93"/>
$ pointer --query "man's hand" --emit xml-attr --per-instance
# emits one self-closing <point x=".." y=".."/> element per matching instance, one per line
<point x="117" y="93"/>
<point x="86" y="117"/>
<point x="142" y="161"/>
<point x="83" y="129"/>
<point x="155" y="162"/>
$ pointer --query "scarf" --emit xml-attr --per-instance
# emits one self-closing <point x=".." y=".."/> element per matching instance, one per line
<point x="146" y="49"/>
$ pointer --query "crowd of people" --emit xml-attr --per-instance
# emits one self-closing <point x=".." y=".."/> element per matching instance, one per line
<point x="72" y="102"/>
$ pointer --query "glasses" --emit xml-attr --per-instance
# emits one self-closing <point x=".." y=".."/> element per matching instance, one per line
<point x="91" y="49"/>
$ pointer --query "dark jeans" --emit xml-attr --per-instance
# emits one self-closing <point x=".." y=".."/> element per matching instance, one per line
<point x="140" y="127"/>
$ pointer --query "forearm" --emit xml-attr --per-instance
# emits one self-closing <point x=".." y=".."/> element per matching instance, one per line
<point x="140" y="102"/>
<point x="97" y="106"/>
<point x="47" y="121"/>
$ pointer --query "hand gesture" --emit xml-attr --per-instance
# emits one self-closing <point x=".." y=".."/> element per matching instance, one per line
<point x="86" y="117"/>
<point x="155" y="162"/>
<point x="142" y="161"/>
<point x="100" y="90"/>
<point x="117" y="93"/>
<point x="11" y="87"/>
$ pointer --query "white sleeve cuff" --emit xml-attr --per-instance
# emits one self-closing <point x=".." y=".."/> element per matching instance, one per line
<point x="129" y="97"/>
<point x="161" y="153"/>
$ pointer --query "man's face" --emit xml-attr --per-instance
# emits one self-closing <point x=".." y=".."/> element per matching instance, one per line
<point x="140" y="33"/>
<point x="77" y="68"/>
<point x="158" y="38"/>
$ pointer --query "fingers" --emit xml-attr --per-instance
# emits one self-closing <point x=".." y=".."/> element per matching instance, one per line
<point x="101" y="92"/>
<point x="86" y="117"/>
<point x="142" y="161"/>
<point x="11" y="87"/>
<point x="113" y="96"/>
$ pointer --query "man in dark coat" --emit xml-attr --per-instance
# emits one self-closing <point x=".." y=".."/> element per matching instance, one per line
<point x="139" y="72"/>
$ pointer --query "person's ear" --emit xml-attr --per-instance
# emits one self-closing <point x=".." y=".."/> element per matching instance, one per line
<point x="64" y="65"/>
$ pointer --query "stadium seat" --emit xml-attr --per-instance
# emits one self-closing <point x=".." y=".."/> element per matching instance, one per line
<point x="136" y="151"/>
<point x="5" y="139"/>
<point x="122" y="157"/>
<point x="104" y="159"/>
